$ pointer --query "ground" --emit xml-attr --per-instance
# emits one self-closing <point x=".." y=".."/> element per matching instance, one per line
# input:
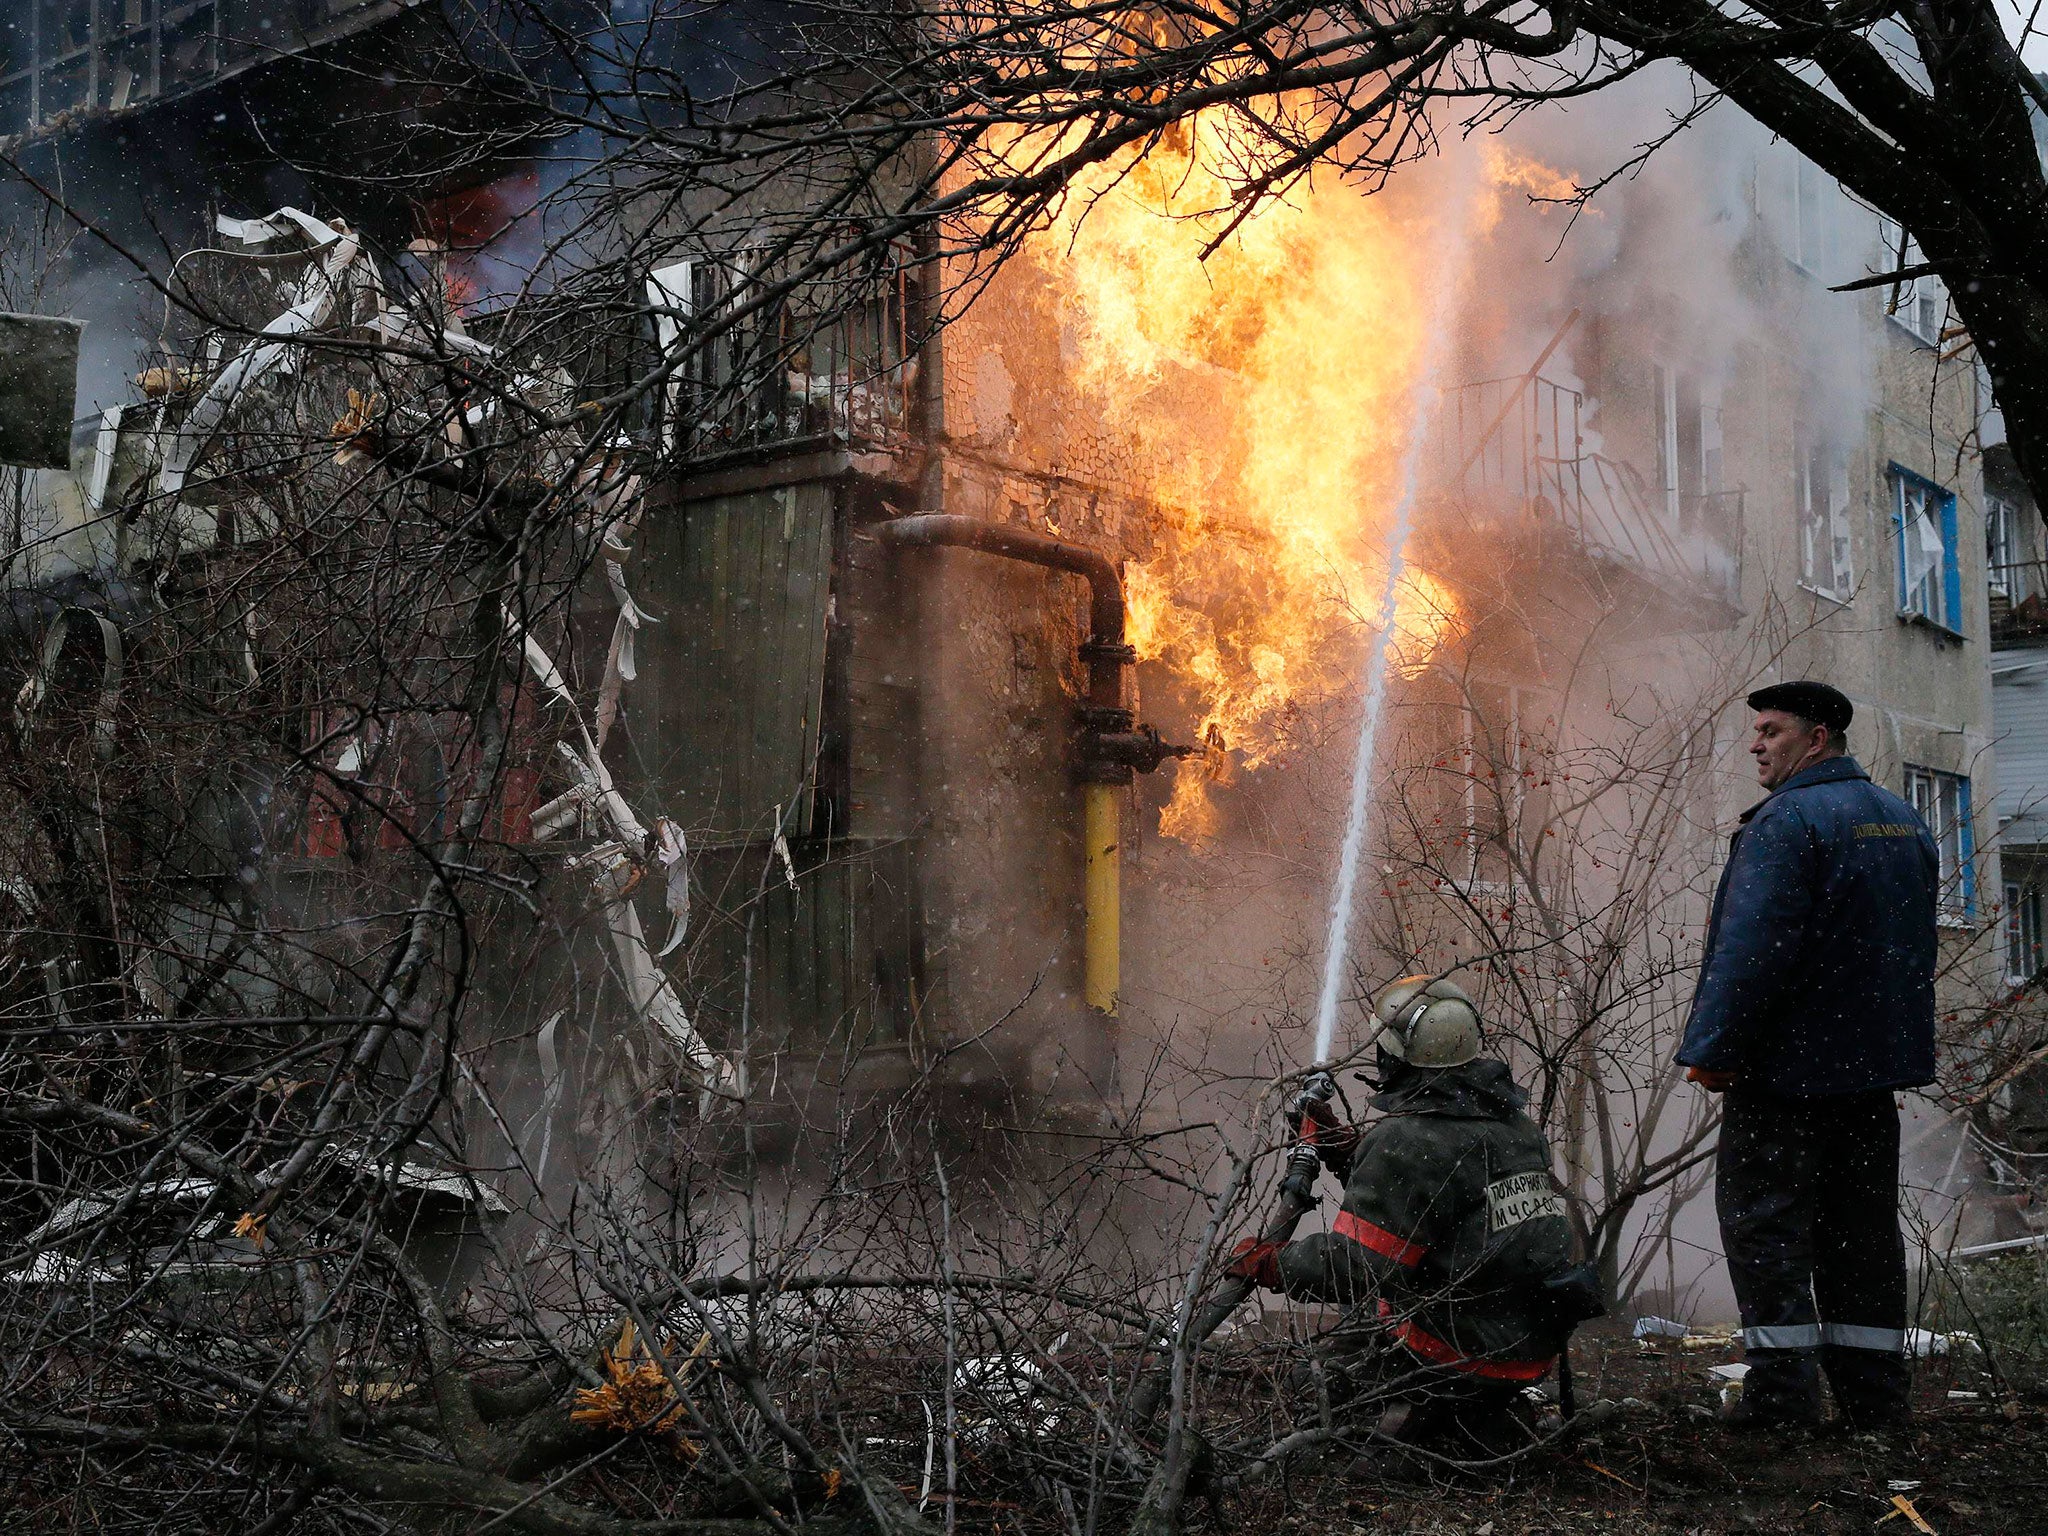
<point x="1665" y="1466"/>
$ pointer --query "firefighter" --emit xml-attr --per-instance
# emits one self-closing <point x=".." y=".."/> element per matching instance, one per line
<point x="1815" y="1002"/>
<point x="1452" y="1236"/>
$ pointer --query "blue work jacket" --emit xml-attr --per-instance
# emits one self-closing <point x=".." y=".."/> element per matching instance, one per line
<point x="1818" y="976"/>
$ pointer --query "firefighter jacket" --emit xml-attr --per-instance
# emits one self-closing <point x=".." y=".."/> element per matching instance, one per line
<point x="1818" y="975"/>
<point x="1450" y="1226"/>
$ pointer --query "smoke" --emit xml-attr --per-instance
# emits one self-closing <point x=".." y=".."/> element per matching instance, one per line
<point x="1674" y="253"/>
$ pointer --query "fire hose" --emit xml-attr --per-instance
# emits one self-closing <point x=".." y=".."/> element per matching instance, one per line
<point x="1294" y="1199"/>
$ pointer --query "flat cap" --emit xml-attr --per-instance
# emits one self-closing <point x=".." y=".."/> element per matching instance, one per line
<point x="1808" y="700"/>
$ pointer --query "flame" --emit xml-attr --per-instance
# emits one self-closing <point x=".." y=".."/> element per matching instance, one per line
<point x="1267" y="392"/>
<point x="1508" y="170"/>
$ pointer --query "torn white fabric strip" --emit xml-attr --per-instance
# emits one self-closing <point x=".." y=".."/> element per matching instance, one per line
<point x="110" y="686"/>
<point x="30" y="698"/>
<point x="310" y="311"/>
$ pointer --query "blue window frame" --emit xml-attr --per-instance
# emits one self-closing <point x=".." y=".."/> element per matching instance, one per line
<point x="1926" y="551"/>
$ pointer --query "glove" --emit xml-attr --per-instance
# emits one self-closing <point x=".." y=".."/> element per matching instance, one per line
<point x="1713" y="1082"/>
<point x="1315" y="1123"/>
<point x="1256" y="1259"/>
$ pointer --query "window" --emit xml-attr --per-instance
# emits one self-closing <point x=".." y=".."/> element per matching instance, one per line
<point x="1688" y="428"/>
<point x="1919" y="304"/>
<point x="1473" y="777"/>
<point x="1820" y="497"/>
<point x="2004" y="562"/>
<point x="2022" y="933"/>
<point x="1943" y="801"/>
<point x="1665" y="385"/>
<point x="1816" y="203"/>
<point x="1504" y="752"/>
<point x="1924" y="534"/>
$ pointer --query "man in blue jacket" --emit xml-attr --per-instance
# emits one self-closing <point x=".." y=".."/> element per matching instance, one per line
<point x="1815" y="1002"/>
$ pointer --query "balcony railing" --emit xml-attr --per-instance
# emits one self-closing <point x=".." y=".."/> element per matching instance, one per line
<point x="782" y="375"/>
<point x="1517" y="447"/>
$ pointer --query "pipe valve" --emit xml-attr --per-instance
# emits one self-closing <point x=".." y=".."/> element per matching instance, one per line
<point x="1113" y="747"/>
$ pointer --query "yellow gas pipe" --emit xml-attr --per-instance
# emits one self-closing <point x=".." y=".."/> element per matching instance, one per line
<point x="1113" y="745"/>
<point x="1102" y="897"/>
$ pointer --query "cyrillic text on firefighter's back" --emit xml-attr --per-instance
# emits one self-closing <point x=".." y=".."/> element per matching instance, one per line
<point x="1521" y="1197"/>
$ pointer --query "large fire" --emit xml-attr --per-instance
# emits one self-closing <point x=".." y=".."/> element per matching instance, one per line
<point x="1268" y="389"/>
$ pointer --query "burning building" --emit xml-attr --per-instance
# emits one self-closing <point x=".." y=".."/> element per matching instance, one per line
<point x="974" y="692"/>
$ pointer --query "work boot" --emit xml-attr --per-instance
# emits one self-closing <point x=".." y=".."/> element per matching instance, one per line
<point x="1781" y="1391"/>
<point x="1744" y="1416"/>
<point x="1873" y="1388"/>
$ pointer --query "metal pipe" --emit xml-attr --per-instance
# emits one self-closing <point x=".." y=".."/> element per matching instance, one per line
<point x="1107" y="746"/>
<point x="1102" y="944"/>
<point x="1105" y="652"/>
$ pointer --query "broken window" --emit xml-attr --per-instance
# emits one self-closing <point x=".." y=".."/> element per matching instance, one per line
<point x="393" y="780"/>
<point x="1820" y="496"/>
<point x="1924" y="535"/>
<point x="1943" y="801"/>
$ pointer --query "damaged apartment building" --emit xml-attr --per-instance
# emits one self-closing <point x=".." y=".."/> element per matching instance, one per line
<point x="888" y="714"/>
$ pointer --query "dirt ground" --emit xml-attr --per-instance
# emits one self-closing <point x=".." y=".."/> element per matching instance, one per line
<point x="1664" y="1465"/>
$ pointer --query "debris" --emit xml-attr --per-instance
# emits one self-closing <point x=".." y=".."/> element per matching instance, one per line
<point x="1631" y="1487"/>
<point x="1921" y="1343"/>
<point x="782" y="850"/>
<point x="640" y="1390"/>
<point x="1660" y="1328"/>
<point x="1963" y="1397"/>
<point x="1707" y="1341"/>
<point x="2009" y="1245"/>
<point x="1902" y="1485"/>
<point x="1730" y="1377"/>
<point x="551" y="1090"/>
<point x="1009" y="1388"/>
<point x="251" y="1226"/>
<point x="314" y="301"/>
<point x="351" y="429"/>
<point x="158" y="383"/>
<point x="672" y="852"/>
<point x="1901" y="1505"/>
<point x="38" y="389"/>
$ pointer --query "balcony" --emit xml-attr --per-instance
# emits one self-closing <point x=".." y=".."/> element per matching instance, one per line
<point x="1510" y="456"/>
<point x="837" y="371"/>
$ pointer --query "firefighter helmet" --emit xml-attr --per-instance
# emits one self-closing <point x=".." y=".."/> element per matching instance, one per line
<point x="1428" y="1022"/>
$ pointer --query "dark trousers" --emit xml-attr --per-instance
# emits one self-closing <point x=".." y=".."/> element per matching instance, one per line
<point x="1808" y="1195"/>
